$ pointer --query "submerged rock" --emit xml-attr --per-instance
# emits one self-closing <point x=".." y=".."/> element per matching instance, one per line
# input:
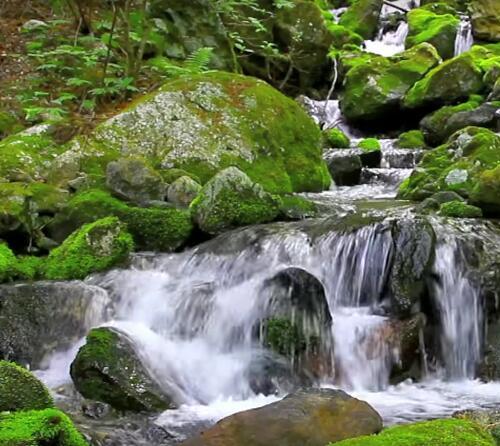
<point x="231" y="199"/>
<point x="108" y="369"/>
<point x="40" y="318"/>
<point x="314" y="417"/>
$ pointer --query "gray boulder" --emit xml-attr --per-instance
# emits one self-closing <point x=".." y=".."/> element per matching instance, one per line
<point x="344" y="165"/>
<point x="183" y="191"/>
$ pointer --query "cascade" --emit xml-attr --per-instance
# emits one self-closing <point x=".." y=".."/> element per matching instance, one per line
<point x="464" y="39"/>
<point x="389" y="43"/>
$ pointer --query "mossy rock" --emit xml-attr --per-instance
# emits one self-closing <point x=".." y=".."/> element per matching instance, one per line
<point x="93" y="248"/>
<point x="485" y="15"/>
<point x="370" y="145"/>
<point x="440" y="30"/>
<point x="336" y="139"/>
<point x="343" y="36"/>
<point x="362" y="17"/>
<point x="450" y="432"/>
<point x="205" y="123"/>
<point x="376" y="86"/>
<point x="414" y="139"/>
<point x="453" y="80"/>
<point x="153" y="228"/>
<point x="39" y="427"/>
<point x="232" y="199"/>
<point x="21" y="390"/>
<point x="465" y="164"/>
<point x="486" y="191"/>
<point x="294" y="207"/>
<point x="183" y="191"/>
<point x="8" y="263"/>
<point x="459" y="209"/>
<point x="108" y="369"/>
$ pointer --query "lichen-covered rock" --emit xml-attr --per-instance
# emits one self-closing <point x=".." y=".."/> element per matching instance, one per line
<point x="94" y="247"/>
<point x="232" y="199"/>
<point x="362" y="17"/>
<point x="440" y="30"/>
<point x="485" y="15"/>
<point x="313" y="417"/>
<point x="108" y="369"/>
<point x="455" y="79"/>
<point x="21" y="390"/>
<point x="466" y="164"/>
<point x="153" y="228"/>
<point x="375" y="87"/>
<point x="437" y="432"/>
<point x="183" y="191"/>
<point x="459" y="209"/>
<point x="39" y="427"/>
<point x="133" y="180"/>
<point x="205" y="123"/>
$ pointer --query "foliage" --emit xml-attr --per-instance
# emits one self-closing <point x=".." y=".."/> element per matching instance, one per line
<point x="284" y="337"/>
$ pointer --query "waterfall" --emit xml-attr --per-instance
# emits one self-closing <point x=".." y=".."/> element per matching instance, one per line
<point x="389" y="43"/>
<point x="464" y="39"/>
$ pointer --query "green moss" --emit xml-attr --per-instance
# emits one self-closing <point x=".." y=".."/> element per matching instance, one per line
<point x="486" y="191"/>
<point x="284" y="337"/>
<point x="414" y="139"/>
<point x="294" y="207"/>
<point x="35" y="428"/>
<point x="343" y="36"/>
<point x="94" y="247"/>
<point x="9" y="124"/>
<point x="459" y="209"/>
<point x="362" y="17"/>
<point x="369" y="145"/>
<point x="8" y="263"/>
<point x="435" y="27"/>
<point x="155" y="229"/>
<point x="30" y="267"/>
<point x="20" y="390"/>
<point x="337" y="139"/>
<point x="450" y="432"/>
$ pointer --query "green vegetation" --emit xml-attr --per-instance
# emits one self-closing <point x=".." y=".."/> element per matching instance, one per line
<point x="337" y="139"/>
<point x="8" y="263"/>
<point x="450" y="432"/>
<point x="459" y="209"/>
<point x="20" y="390"/>
<point x="369" y="145"/>
<point x="294" y="207"/>
<point x="35" y="428"/>
<point x="362" y="17"/>
<point x="414" y="139"/>
<point x="92" y="248"/>
<point x="283" y="337"/>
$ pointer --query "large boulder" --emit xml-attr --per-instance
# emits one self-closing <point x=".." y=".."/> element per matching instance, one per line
<point x="376" y="87"/>
<point x="20" y="390"/>
<point x="362" y="17"/>
<point x="466" y="164"/>
<point x="232" y="199"/>
<point x="485" y="16"/>
<point x="93" y="248"/>
<point x="437" y="432"/>
<point x="344" y="165"/>
<point x="203" y="124"/>
<point x="108" y="368"/>
<point x="436" y="28"/>
<point x="314" y="417"/>
<point x="37" y="319"/>
<point x="453" y="80"/>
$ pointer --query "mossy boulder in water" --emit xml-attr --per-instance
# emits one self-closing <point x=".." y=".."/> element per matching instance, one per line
<point x="362" y="17"/>
<point x="459" y="209"/>
<point x="440" y="30"/>
<point x="294" y="207"/>
<point x="450" y="432"/>
<point x="108" y="369"/>
<point x="95" y="247"/>
<point x="39" y="427"/>
<point x="375" y="87"/>
<point x="413" y="139"/>
<point x="21" y="390"/>
<point x="232" y="199"/>
<point x="485" y="15"/>
<point x="336" y="139"/>
<point x="312" y="416"/>
<point x="205" y="123"/>
<point x="153" y="228"/>
<point x="345" y="166"/>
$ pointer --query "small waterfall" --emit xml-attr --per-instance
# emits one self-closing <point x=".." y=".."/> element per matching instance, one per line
<point x="389" y="43"/>
<point x="464" y="39"/>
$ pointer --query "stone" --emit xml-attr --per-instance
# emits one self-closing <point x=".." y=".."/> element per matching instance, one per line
<point x="362" y="17"/>
<point x="314" y="417"/>
<point x="131" y="179"/>
<point x="294" y="207"/>
<point x="183" y="191"/>
<point x="39" y="318"/>
<point x="459" y="209"/>
<point x="232" y="199"/>
<point x="108" y="369"/>
<point x="345" y="166"/>
<point x="485" y="15"/>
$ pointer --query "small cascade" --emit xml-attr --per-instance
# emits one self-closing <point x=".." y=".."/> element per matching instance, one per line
<point x="464" y="39"/>
<point x="389" y="43"/>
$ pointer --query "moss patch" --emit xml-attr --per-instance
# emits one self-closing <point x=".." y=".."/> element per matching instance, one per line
<point x="459" y="209"/>
<point x="414" y="139"/>
<point x="336" y="139"/>
<point x="369" y="145"/>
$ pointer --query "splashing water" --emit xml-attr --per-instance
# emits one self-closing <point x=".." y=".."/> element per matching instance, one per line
<point x="464" y="39"/>
<point x="389" y="43"/>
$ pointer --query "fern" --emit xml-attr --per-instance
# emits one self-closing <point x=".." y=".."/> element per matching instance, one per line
<point x="199" y="60"/>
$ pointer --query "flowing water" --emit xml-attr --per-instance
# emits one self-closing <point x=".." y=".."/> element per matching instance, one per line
<point x="389" y="43"/>
<point x="464" y="39"/>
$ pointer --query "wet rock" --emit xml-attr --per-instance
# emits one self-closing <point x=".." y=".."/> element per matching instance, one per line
<point x="434" y="202"/>
<point x="459" y="209"/>
<point x="412" y="259"/>
<point x="133" y="180"/>
<point x="108" y="369"/>
<point x="232" y="199"/>
<point x="314" y="417"/>
<point x="183" y="191"/>
<point x="294" y="207"/>
<point x="362" y="17"/>
<point x="485" y="15"/>
<point x="344" y="166"/>
<point x="298" y="322"/>
<point x="39" y="318"/>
